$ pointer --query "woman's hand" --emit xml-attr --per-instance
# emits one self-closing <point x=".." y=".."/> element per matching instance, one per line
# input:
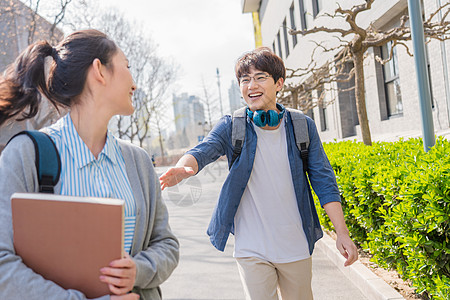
<point x="131" y="296"/>
<point x="120" y="275"/>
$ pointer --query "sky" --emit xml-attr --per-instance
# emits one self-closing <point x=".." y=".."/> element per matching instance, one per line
<point x="198" y="35"/>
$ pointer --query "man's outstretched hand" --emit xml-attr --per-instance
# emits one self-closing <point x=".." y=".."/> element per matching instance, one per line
<point x="174" y="175"/>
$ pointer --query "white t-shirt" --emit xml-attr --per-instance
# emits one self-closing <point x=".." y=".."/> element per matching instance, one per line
<point x="267" y="223"/>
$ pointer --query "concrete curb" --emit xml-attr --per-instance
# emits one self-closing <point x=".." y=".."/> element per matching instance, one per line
<point x="370" y="284"/>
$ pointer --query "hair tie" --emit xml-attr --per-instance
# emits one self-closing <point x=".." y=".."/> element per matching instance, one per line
<point x="54" y="53"/>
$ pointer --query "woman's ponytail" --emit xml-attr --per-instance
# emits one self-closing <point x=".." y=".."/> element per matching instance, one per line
<point x="23" y="82"/>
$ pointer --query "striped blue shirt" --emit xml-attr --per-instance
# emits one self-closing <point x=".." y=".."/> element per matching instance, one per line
<point x="83" y="175"/>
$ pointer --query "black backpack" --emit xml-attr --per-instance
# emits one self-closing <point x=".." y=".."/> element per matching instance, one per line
<point x="48" y="162"/>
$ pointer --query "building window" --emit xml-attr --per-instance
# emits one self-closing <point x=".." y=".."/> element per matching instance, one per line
<point x="286" y="43"/>
<point x="317" y="7"/>
<point x="280" y="52"/>
<point x="429" y="81"/>
<point x="347" y="101"/>
<point x="291" y="15"/>
<point x="429" y="75"/>
<point x="322" y="110"/>
<point x="301" y="6"/>
<point x="273" y="46"/>
<point x="310" y="113"/>
<point x="323" y="118"/>
<point x="391" y="81"/>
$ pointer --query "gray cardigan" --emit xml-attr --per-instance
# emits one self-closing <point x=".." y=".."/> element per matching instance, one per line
<point x="154" y="248"/>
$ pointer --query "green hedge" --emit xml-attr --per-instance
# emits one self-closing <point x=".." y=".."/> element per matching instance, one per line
<point x="396" y="200"/>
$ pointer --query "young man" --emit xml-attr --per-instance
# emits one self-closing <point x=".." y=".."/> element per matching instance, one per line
<point x="266" y="200"/>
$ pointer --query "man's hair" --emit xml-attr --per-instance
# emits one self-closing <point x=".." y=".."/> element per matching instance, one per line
<point x="263" y="59"/>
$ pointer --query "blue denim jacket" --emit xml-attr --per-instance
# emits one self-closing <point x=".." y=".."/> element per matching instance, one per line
<point x="321" y="176"/>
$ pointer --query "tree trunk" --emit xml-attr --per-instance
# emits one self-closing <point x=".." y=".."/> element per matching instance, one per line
<point x="163" y="158"/>
<point x="361" y="98"/>
<point x="295" y="99"/>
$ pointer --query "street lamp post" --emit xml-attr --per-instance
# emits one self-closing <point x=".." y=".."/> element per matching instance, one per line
<point x="203" y="128"/>
<point x="417" y="36"/>
<point x="220" y="94"/>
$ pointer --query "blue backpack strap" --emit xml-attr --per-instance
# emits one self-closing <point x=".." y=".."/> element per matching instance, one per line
<point x="238" y="132"/>
<point x="48" y="162"/>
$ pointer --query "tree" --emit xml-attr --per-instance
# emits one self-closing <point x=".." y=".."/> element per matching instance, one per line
<point x="21" y="24"/>
<point x="208" y="102"/>
<point x="55" y="12"/>
<point x="160" y="78"/>
<point x="152" y="74"/>
<point x="34" y="19"/>
<point x="355" y="40"/>
<point x="311" y="90"/>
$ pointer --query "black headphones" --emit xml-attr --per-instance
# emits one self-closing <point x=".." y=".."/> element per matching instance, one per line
<point x="262" y="118"/>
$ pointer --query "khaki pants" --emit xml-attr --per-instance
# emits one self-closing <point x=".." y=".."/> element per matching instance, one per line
<point x="262" y="280"/>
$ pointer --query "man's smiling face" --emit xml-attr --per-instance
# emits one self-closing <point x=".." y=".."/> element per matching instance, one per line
<point x="259" y="90"/>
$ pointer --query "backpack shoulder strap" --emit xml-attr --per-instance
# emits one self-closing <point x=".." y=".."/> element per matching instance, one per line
<point x="48" y="162"/>
<point x="301" y="134"/>
<point x="238" y="132"/>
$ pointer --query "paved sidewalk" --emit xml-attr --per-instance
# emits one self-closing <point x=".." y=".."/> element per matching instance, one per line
<point x="205" y="273"/>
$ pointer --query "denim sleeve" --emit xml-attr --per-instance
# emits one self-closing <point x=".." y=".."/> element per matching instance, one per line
<point x="321" y="174"/>
<point x="216" y="144"/>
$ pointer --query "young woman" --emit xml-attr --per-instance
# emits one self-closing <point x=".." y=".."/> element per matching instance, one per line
<point x="90" y="74"/>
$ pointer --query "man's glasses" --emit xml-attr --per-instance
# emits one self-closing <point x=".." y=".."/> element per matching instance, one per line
<point x="258" y="78"/>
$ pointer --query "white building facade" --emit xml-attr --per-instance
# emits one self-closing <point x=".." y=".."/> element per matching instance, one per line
<point x="392" y="98"/>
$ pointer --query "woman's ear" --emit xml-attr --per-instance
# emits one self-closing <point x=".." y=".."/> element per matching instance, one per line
<point x="98" y="71"/>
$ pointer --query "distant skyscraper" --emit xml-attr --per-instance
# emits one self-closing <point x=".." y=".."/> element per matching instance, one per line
<point x="234" y="96"/>
<point x="188" y="110"/>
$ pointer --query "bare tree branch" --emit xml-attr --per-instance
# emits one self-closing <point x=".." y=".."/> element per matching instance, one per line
<point x="354" y="50"/>
<point x="34" y="15"/>
<point x="343" y="32"/>
<point x="152" y="74"/>
<point x="440" y="9"/>
<point x="59" y="17"/>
